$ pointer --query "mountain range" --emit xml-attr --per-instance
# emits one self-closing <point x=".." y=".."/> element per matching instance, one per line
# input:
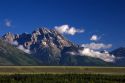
<point x="48" y="47"/>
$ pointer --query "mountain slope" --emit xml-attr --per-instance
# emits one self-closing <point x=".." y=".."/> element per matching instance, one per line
<point x="50" y="48"/>
<point x="68" y="58"/>
<point x="10" y="55"/>
<point x="120" y="54"/>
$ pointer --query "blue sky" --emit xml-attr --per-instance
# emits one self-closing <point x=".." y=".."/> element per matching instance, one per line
<point x="104" y="18"/>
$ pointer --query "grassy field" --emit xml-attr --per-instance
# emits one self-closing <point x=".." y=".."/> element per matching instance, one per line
<point x="61" y="78"/>
<point x="62" y="69"/>
<point x="61" y="74"/>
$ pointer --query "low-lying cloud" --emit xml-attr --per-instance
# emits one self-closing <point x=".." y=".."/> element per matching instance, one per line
<point x="15" y="43"/>
<point x="97" y="46"/>
<point x="105" y="56"/>
<point x="21" y="47"/>
<point x="66" y="29"/>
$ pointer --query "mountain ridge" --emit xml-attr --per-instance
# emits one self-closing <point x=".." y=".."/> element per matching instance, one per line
<point x="10" y="55"/>
<point x="51" y="48"/>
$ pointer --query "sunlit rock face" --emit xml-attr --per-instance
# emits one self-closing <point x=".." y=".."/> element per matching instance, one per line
<point x="42" y="36"/>
<point x="51" y="47"/>
<point x="45" y="44"/>
<point x="9" y="37"/>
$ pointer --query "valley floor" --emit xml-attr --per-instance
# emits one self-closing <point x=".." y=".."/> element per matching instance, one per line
<point x="62" y="69"/>
<point x="61" y="74"/>
<point x="61" y="78"/>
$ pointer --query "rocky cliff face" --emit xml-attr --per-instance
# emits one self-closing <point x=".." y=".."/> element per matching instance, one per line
<point x="43" y="43"/>
<point x="42" y="37"/>
<point x="9" y="37"/>
<point x="51" y="48"/>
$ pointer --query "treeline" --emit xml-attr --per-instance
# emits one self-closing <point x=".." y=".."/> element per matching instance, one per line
<point x="61" y="78"/>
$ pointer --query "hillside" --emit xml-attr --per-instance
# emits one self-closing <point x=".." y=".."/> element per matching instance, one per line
<point x="120" y="54"/>
<point x="10" y="55"/>
<point x="47" y="46"/>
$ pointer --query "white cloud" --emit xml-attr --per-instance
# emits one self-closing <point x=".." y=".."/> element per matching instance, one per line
<point x="21" y="47"/>
<point x="24" y="49"/>
<point x="97" y="46"/>
<point x="15" y="43"/>
<point x="94" y="38"/>
<point x="68" y="30"/>
<point x="7" y="23"/>
<point x="92" y="50"/>
<point x="96" y="54"/>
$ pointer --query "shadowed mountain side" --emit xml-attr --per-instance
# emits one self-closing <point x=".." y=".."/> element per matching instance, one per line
<point x="10" y="55"/>
<point x="46" y="46"/>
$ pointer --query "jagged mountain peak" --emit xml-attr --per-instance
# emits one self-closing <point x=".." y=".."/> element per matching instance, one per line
<point x="9" y="37"/>
<point x="44" y="36"/>
<point x="47" y="45"/>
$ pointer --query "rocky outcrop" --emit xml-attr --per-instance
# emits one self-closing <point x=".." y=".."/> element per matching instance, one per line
<point x="50" y="47"/>
<point x="45" y="44"/>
